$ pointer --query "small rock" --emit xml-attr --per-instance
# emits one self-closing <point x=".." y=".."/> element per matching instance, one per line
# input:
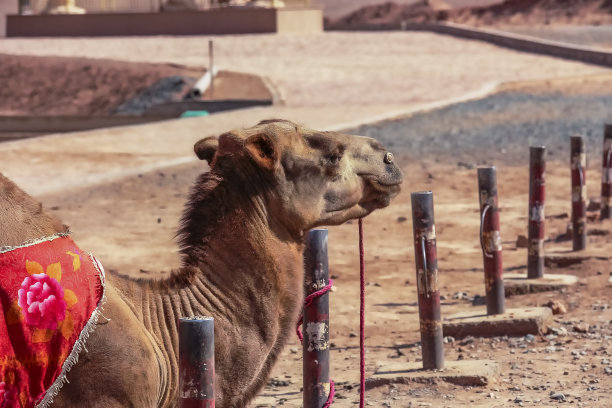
<point x="556" y="306"/>
<point x="465" y="165"/>
<point x="352" y="334"/>
<point x="581" y="328"/>
<point x="278" y="383"/>
<point x="293" y="350"/>
<point x="466" y="341"/>
<point x="522" y="241"/>
<point x="530" y="338"/>
<point x="557" y="396"/>
<point x="558" y="331"/>
<point x="479" y="300"/>
<point x="402" y="219"/>
<point x="460" y="295"/>
<point x="449" y="339"/>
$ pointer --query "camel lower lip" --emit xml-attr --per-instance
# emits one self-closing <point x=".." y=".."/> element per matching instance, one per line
<point x="379" y="185"/>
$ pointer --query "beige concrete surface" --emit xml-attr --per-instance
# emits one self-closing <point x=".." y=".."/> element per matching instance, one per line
<point x="329" y="81"/>
<point x="518" y="283"/>
<point x="334" y="69"/>
<point x="514" y="322"/>
<point x="63" y="162"/>
<point x="464" y="372"/>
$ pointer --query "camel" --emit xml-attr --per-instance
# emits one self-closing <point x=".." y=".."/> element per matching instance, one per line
<point x="241" y="243"/>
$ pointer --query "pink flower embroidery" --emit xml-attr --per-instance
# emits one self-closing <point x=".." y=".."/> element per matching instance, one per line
<point x="41" y="299"/>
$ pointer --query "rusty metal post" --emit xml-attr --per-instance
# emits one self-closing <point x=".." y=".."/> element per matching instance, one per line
<point x="606" y="176"/>
<point x="316" y="322"/>
<point x="426" y="260"/>
<point x="537" y="197"/>
<point x="196" y="362"/>
<point x="490" y="240"/>
<point x="578" y="167"/>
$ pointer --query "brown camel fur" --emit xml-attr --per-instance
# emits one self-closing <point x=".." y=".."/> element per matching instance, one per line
<point x="241" y="243"/>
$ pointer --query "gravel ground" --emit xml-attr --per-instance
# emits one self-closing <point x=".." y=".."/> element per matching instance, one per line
<point x="500" y="126"/>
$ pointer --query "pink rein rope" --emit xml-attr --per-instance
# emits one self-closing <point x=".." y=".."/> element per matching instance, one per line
<point x="308" y="301"/>
<point x="361" y="316"/>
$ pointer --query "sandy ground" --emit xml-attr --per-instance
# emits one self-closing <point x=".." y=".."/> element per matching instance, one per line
<point x="332" y="69"/>
<point x="131" y="212"/>
<point x="332" y="73"/>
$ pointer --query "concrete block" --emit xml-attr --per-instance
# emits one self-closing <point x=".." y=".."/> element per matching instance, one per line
<point x="519" y="284"/>
<point x="464" y="372"/>
<point x="514" y="322"/>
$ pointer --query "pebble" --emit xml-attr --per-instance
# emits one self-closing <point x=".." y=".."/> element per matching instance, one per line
<point x="581" y="328"/>
<point x="460" y="295"/>
<point x="557" y="396"/>
<point x="558" y="331"/>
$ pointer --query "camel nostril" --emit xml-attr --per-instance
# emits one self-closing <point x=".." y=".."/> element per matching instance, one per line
<point x="388" y="158"/>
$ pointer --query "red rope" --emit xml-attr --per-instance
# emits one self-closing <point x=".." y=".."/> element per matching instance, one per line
<point x="307" y="302"/>
<point x="330" y="398"/>
<point x="361" y="316"/>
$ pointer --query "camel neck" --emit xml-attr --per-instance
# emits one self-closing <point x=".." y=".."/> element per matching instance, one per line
<point x="240" y="273"/>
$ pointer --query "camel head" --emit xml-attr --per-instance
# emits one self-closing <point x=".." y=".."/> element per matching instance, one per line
<point x="307" y="178"/>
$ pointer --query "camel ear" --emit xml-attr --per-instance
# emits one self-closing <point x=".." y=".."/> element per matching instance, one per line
<point x="263" y="150"/>
<point x="206" y="148"/>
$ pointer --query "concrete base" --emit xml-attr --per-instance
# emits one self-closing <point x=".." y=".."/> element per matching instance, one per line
<point x="559" y="257"/>
<point x="464" y="372"/>
<point x="519" y="284"/>
<point x="515" y="322"/>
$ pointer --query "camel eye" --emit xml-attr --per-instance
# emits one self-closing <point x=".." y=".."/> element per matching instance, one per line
<point x="334" y="159"/>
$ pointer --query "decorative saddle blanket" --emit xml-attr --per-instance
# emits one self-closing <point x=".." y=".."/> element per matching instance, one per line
<point x="50" y="297"/>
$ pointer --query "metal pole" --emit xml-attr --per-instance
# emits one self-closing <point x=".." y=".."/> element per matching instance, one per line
<point x="606" y="177"/>
<point x="490" y="240"/>
<point x="316" y="322"/>
<point x="578" y="168"/>
<point x="196" y="362"/>
<point x="211" y="64"/>
<point x="426" y="260"/>
<point x="537" y="197"/>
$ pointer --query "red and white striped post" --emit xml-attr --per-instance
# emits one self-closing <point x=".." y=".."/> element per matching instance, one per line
<point x="606" y="175"/>
<point x="315" y="322"/>
<point x="426" y="260"/>
<point x="490" y="240"/>
<point x="578" y="168"/>
<point x="537" y="197"/>
<point x="196" y="362"/>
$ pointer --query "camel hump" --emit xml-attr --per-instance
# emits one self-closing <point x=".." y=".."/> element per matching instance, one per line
<point x="22" y="218"/>
<point x="206" y="148"/>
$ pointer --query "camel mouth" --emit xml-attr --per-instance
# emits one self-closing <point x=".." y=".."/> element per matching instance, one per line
<point x="384" y="186"/>
<point x="380" y="193"/>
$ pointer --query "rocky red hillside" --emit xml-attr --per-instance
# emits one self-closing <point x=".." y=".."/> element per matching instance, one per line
<point x="515" y="12"/>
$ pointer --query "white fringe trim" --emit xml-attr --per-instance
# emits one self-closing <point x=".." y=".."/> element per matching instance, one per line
<point x="32" y="242"/>
<point x="79" y="345"/>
